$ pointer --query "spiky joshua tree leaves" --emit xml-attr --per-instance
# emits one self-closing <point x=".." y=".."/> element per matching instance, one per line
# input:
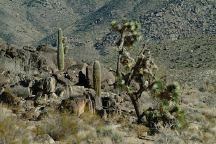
<point x="129" y="34"/>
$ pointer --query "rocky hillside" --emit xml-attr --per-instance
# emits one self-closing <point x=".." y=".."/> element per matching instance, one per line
<point x="171" y="20"/>
<point x="87" y="23"/>
<point x="28" y="22"/>
<point x="181" y="30"/>
<point x="40" y="104"/>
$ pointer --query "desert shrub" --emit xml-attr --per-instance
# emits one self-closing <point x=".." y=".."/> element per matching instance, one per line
<point x="59" y="126"/>
<point x="109" y="132"/>
<point x="66" y="126"/>
<point x="14" y="66"/>
<point x="13" y="130"/>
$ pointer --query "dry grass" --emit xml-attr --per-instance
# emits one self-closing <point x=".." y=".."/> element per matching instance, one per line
<point x="58" y="126"/>
<point x="14" y="66"/>
<point x="209" y="87"/>
<point x="66" y="127"/>
<point x="62" y="127"/>
<point x="13" y="130"/>
<point x="109" y="132"/>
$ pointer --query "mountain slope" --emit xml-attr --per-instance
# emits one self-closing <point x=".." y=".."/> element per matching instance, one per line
<point x="160" y="20"/>
<point x="86" y="23"/>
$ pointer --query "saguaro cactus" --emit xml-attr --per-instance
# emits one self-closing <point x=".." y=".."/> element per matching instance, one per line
<point x="65" y="45"/>
<point x="97" y="84"/>
<point x="97" y="78"/>
<point x="60" y="52"/>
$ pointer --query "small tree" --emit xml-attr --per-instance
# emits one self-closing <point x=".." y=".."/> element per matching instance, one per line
<point x="129" y="34"/>
<point x="142" y="71"/>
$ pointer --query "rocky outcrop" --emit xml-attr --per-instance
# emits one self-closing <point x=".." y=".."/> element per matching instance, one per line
<point x="45" y="139"/>
<point x="75" y="105"/>
<point x="49" y="85"/>
<point x="107" y="77"/>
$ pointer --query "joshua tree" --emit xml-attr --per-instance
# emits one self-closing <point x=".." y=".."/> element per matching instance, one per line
<point x="142" y="71"/>
<point x="129" y="34"/>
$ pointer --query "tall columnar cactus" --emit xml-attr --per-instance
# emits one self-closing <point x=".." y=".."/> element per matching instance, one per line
<point x="87" y="77"/>
<point x="65" y="45"/>
<point x="60" y="52"/>
<point x="97" y="78"/>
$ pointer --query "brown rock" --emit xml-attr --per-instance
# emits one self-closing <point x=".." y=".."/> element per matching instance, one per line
<point x="75" y="90"/>
<point x="74" y="105"/>
<point x="29" y="48"/>
<point x="7" y="97"/>
<point x="45" y="139"/>
<point x="49" y="85"/>
<point x="3" y="79"/>
<point x="61" y="79"/>
<point x="80" y="100"/>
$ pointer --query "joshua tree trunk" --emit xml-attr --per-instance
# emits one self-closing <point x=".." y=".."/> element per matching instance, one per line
<point x="119" y="55"/>
<point x="136" y="105"/>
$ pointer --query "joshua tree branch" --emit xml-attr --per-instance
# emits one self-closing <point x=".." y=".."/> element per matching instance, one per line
<point x="120" y="49"/>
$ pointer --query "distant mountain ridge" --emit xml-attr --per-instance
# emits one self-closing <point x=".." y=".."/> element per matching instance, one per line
<point x="181" y="33"/>
<point x="36" y="21"/>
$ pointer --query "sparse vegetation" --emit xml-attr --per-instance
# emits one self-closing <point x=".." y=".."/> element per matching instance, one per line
<point x="59" y="126"/>
<point x="53" y="91"/>
<point x="108" y="132"/>
<point x="12" y="129"/>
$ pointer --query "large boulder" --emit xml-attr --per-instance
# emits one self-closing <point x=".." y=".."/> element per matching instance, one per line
<point x="37" y="87"/>
<point x="73" y="73"/>
<point x="79" y="100"/>
<point x="74" y="105"/>
<point x="21" y="91"/>
<point x="43" y="86"/>
<point x="4" y="81"/>
<point x="45" y="139"/>
<point x="49" y="85"/>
